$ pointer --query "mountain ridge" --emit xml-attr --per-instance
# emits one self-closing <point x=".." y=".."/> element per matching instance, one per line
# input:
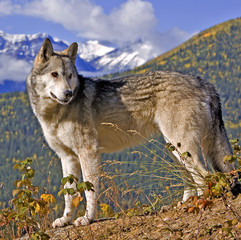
<point x="95" y="58"/>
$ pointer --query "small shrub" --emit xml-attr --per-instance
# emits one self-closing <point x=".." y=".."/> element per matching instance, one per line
<point x="28" y="212"/>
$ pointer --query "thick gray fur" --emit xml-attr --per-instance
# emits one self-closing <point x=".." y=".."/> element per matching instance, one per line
<point x="82" y="117"/>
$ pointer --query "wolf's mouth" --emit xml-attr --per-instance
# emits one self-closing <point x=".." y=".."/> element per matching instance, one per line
<point x="53" y="95"/>
<point x="60" y="101"/>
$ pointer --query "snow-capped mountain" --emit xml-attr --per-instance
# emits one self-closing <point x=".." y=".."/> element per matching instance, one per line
<point x="93" y="49"/>
<point x="17" y="52"/>
<point x="26" y="46"/>
<point x="106" y="58"/>
<point x="124" y="58"/>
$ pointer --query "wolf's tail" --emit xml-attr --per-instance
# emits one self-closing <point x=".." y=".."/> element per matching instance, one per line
<point x="217" y="145"/>
<point x="221" y="149"/>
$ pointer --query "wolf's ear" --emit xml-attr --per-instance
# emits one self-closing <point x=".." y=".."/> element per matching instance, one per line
<point x="71" y="51"/>
<point x="44" y="53"/>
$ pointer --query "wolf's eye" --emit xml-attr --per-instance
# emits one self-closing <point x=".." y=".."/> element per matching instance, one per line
<point x="55" y="74"/>
<point x="70" y="76"/>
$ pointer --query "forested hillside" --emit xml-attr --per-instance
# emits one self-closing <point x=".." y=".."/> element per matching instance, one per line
<point x="20" y="138"/>
<point x="214" y="54"/>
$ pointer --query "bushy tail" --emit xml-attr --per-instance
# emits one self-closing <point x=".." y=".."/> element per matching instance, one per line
<point x="221" y="149"/>
<point x="218" y="145"/>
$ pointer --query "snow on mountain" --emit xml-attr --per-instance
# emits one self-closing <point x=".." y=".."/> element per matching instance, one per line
<point x="124" y="58"/>
<point x="22" y="46"/>
<point x="107" y="59"/>
<point x="17" y="52"/>
<point x="26" y="46"/>
<point x="93" y="49"/>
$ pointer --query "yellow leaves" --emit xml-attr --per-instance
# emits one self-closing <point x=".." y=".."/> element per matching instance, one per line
<point x="48" y="198"/>
<point x="16" y="191"/>
<point x="163" y="62"/>
<point x="76" y="201"/>
<point x="206" y="34"/>
<point x="220" y="75"/>
<point x="230" y="158"/>
<point x="7" y="136"/>
<point x="142" y="71"/>
<point x="234" y="221"/>
<point x="40" y="206"/>
<point x="106" y="209"/>
<point x="37" y="207"/>
<point x="34" y="207"/>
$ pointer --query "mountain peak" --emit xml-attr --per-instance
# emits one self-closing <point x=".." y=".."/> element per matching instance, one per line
<point x="93" y="49"/>
<point x="22" y="37"/>
<point x="94" y="57"/>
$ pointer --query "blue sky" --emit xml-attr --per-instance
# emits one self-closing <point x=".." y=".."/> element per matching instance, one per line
<point x="159" y="25"/>
<point x="115" y="20"/>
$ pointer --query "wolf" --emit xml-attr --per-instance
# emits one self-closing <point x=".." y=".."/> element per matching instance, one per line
<point x="72" y="111"/>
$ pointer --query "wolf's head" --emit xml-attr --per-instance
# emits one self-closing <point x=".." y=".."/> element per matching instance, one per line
<point x="54" y="74"/>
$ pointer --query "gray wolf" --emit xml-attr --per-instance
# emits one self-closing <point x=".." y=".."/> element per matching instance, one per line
<point x="71" y="110"/>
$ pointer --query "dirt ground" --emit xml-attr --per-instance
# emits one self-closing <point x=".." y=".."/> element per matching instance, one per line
<point x="221" y="221"/>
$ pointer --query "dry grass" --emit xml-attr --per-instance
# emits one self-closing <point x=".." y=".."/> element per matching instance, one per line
<point x="174" y="223"/>
<point x="135" y="213"/>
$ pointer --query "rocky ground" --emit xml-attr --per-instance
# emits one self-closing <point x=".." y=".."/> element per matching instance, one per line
<point x="221" y="220"/>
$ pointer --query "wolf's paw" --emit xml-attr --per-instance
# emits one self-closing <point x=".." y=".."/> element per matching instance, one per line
<point x="82" y="221"/>
<point x="61" y="222"/>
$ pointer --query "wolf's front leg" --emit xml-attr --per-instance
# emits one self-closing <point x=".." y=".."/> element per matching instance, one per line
<point x="90" y="170"/>
<point x="70" y="165"/>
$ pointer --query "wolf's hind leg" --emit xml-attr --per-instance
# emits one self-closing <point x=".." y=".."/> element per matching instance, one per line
<point x="192" y="189"/>
<point x="70" y="165"/>
<point x="193" y="171"/>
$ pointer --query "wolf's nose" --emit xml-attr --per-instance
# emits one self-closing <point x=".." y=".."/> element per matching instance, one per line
<point x="68" y="93"/>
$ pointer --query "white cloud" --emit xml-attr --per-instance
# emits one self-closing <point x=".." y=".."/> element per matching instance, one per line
<point x="134" y="20"/>
<point x="13" y="69"/>
<point x="131" y="21"/>
<point x="163" y="42"/>
<point x="5" y="7"/>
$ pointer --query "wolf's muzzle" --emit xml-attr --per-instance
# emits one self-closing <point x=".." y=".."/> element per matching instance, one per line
<point x="68" y="94"/>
